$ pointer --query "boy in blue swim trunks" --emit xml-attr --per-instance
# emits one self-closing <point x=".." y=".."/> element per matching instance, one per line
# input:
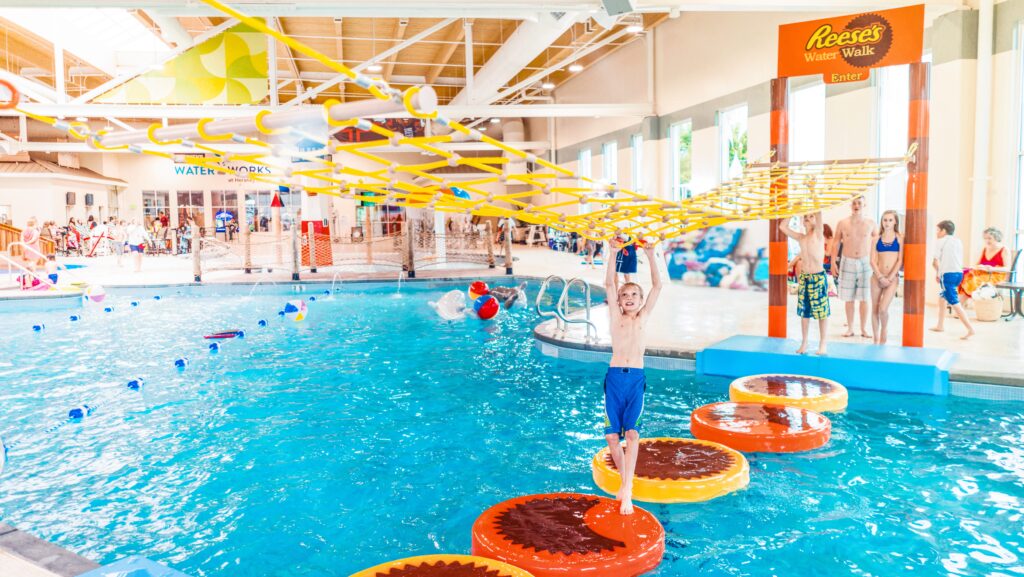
<point x="949" y="271"/>
<point x="625" y="261"/>
<point x="625" y="383"/>
<point x="812" y="288"/>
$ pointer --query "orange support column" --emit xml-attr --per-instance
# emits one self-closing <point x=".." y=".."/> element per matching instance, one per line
<point x="778" y="245"/>
<point x="915" y="261"/>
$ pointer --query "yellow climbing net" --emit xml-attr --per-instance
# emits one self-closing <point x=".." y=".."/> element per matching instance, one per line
<point x="548" y="195"/>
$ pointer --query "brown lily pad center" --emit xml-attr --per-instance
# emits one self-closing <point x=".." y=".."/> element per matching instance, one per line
<point x="555" y="525"/>
<point x="680" y="459"/>
<point x="443" y="569"/>
<point x="789" y="386"/>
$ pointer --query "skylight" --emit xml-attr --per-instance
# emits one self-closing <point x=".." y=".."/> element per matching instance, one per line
<point x="95" y="35"/>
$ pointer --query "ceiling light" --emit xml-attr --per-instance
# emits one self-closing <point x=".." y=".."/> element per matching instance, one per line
<point x="548" y="86"/>
<point x="575" y="68"/>
<point x="374" y="68"/>
<point x="82" y="119"/>
<point x="482" y="129"/>
<point x="495" y="120"/>
<point x="634" y="28"/>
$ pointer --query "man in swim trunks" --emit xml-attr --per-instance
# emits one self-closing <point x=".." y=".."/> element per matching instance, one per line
<point x="625" y="261"/>
<point x="508" y="295"/>
<point x="625" y="383"/>
<point x="853" y="274"/>
<point x="812" y="288"/>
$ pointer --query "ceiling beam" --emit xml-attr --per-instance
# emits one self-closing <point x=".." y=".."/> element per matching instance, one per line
<point x="445" y="51"/>
<point x="275" y="23"/>
<point x="169" y="29"/>
<point x="339" y="46"/>
<point x="399" y="35"/>
<point x="528" y="41"/>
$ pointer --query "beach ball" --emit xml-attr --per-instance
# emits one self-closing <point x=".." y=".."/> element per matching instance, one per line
<point x="486" y="307"/>
<point x="295" y="310"/>
<point x="478" y="289"/>
<point x="95" y="294"/>
<point x="136" y="384"/>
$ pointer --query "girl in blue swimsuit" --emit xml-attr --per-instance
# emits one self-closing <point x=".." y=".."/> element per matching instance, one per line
<point x="886" y="261"/>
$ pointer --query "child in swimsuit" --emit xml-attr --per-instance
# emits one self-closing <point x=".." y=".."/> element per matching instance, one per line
<point x="625" y="383"/>
<point x="812" y="288"/>
<point x="508" y="295"/>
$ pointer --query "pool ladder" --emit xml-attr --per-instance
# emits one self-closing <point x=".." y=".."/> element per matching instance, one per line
<point x="561" y="311"/>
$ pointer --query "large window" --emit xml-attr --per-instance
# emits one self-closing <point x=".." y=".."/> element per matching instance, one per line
<point x="636" y="144"/>
<point x="1019" y="221"/>
<point x="259" y="213"/>
<point x="807" y="123"/>
<point x="225" y="208"/>
<point x="892" y="94"/>
<point x="610" y="162"/>
<point x="680" y="138"/>
<point x="732" y="138"/>
<point x="190" y="207"/>
<point x="154" y="204"/>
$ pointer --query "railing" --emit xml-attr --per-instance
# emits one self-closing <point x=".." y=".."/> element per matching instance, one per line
<point x="10" y="235"/>
<point x="562" y="308"/>
<point x="559" y="319"/>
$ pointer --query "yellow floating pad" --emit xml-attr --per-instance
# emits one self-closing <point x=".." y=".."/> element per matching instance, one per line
<point x="812" y="393"/>
<point x="670" y="470"/>
<point x="440" y="565"/>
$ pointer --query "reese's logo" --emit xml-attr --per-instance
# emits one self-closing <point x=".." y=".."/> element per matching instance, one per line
<point x="865" y="40"/>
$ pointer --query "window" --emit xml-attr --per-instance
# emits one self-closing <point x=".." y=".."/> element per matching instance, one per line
<point x="1019" y="221"/>
<point x="610" y="162"/>
<point x="732" y="138"/>
<point x="807" y="123"/>
<point x="892" y="95"/>
<point x="225" y="208"/>
<point x="636" y="143"/>
<point x="583" y="169"/>
<point x="154" y="204"/>
<point x="190" y="207"/>
<point x="680" y="138"/>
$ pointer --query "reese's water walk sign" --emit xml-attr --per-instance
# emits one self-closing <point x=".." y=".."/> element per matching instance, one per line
<point x="846" y="48"/>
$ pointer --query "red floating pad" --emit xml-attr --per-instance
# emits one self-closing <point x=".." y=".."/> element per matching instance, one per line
<point x="761" y="428"/>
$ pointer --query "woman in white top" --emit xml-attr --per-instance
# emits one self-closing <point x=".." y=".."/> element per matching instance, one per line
<point x="137" y="239"/>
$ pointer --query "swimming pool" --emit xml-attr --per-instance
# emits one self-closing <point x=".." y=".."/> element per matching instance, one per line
<point x="374" y="430"/>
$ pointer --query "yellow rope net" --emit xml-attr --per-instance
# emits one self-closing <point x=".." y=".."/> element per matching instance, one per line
<point x="551" y="195"/>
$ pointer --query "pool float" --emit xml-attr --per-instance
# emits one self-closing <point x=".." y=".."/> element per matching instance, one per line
<point x="569" y="534"/>
<point x="443" y="566"/>
<point x="295" y="310"/>
<point x="477" y="289"/>
<point x="672" y="470"/>
<point x="450" y="307"/>
<point x="760" y="427"/>
<point x="813" y="393"/>
<point x="225" y="334"/>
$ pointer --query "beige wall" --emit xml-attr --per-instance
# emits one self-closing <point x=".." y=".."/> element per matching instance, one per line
<point x="45" y="199"/>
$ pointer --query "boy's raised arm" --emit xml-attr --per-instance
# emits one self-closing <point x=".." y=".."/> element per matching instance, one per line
<point x="611" y="288"/>
<point x="652" y="297"/>
<point x="784" y="227"/>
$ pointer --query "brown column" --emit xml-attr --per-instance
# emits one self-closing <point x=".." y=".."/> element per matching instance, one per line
<point x="778" y="246"/>
<point x="915" y="256"/>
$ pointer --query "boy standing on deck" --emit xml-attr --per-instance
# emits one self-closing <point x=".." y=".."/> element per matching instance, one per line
<point x="949" y="270"/>
<point x="625" y="383"/>
<point x="812" y="284"/>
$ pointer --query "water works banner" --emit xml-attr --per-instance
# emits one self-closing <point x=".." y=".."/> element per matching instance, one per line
<point x="846" y="48"/>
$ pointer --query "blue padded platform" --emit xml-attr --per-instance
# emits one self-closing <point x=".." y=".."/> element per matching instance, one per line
<point x="133" y="567"/>
<point x="892" y="368"/>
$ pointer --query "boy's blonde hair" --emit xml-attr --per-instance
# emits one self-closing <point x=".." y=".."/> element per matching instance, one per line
<point x="639" y="288"/>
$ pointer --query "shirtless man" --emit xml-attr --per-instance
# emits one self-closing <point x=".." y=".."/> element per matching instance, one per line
<point x="853" y="276"/>
<point x="812" y="292"/>
<point x="625" y="383"/>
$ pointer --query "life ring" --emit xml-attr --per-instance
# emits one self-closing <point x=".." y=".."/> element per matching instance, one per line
<point x="815" y="393"/>
<point x="442" y="565"/>
<point x="670" y="470"/>
<point x="760" y="427"/>
<point x="225" y="334"/>
<point x="563" y="534"/>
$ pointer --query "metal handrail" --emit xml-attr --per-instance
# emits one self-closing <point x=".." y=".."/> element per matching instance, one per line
<point x="13" y="264"/>
<point x="562" y="308"/>
<point x="559" y="318"/>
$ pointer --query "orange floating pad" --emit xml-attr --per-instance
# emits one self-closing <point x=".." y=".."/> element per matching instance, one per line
<point x="570" y="534"/>
<point x="814" y="393"/>
<point x="443" y="566"/>
<point x="760" y="427"/>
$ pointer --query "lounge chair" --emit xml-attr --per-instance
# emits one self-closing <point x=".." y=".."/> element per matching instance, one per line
<point x="1015" y="284"/>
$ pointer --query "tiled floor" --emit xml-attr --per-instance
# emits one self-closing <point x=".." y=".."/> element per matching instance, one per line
<point x="688" y="318"/>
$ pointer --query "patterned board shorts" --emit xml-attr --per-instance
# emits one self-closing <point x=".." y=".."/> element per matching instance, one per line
<point x="854" y="279"/>
<point x="812" y="296"/>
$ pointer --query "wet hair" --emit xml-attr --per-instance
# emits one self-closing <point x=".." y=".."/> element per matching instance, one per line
<point x="994" y="233"/>
<point x="826" y="230"/>
<point x="639" y="288"/>
<point x="895" y="215"/>
<point x="948" y="226"/>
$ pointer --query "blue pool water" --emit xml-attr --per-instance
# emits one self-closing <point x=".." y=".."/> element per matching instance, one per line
<point x="374" y="430"/>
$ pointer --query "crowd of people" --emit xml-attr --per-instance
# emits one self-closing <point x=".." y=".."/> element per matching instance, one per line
<point x="865" y="260"/>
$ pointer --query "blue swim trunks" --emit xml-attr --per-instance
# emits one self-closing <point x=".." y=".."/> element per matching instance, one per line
<point x="625" y="261"/>
<point x="950" y="282"/>
<point x="623" y="400"/>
